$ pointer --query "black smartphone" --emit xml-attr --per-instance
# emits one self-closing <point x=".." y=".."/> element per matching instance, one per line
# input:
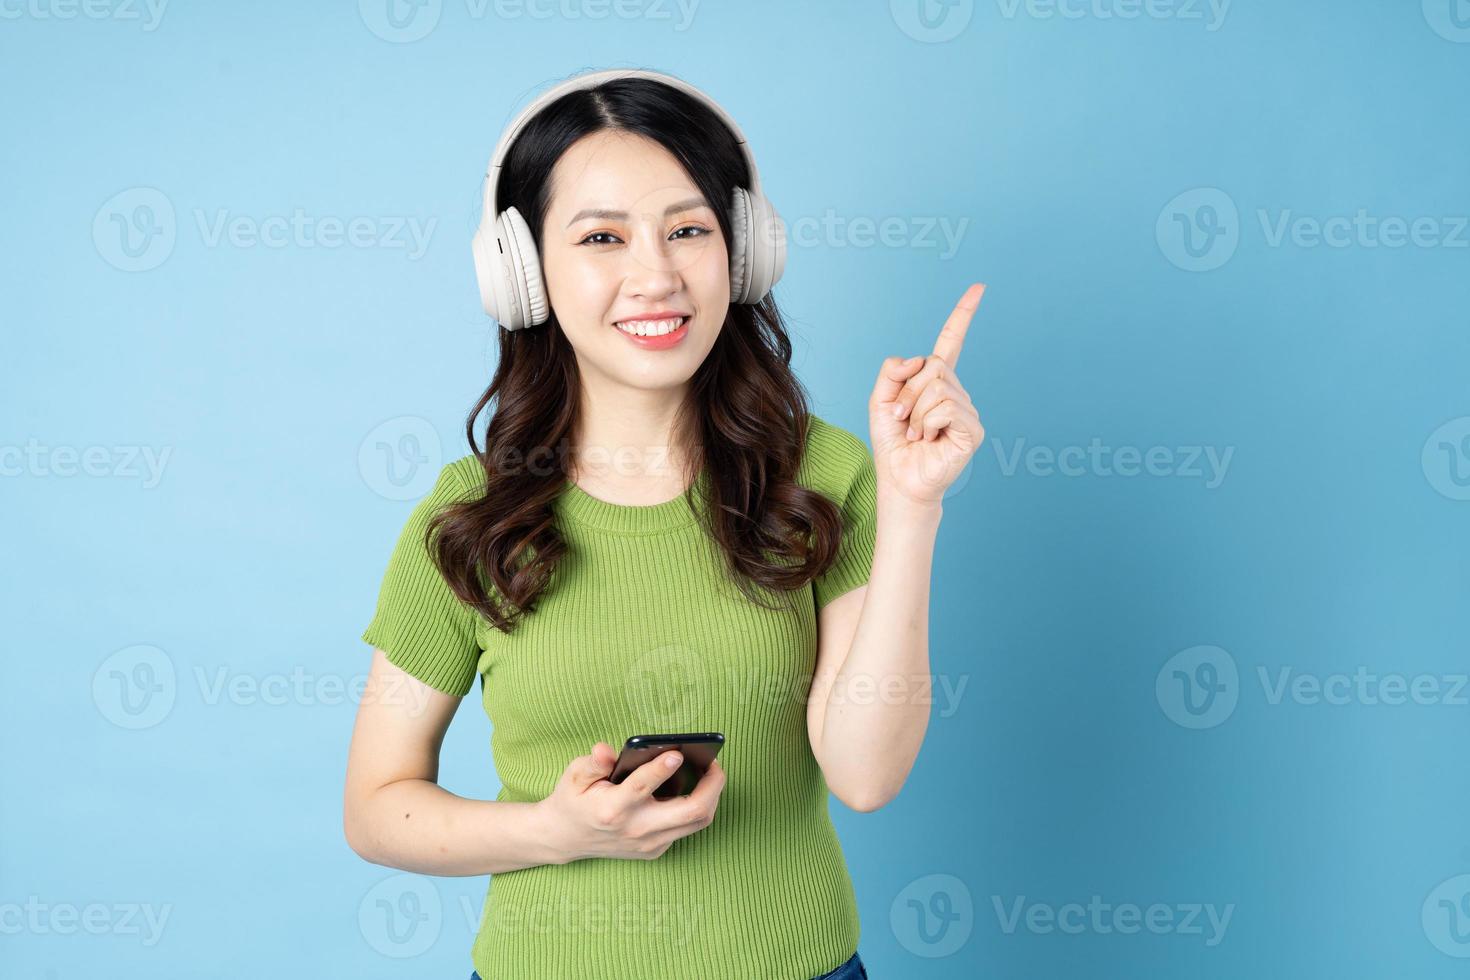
<point x="698" y="748"/>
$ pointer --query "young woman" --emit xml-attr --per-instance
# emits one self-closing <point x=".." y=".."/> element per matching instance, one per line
<point x="656" y="537"/>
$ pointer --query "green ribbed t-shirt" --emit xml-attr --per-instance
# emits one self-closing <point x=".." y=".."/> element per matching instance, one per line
<point x="639" y="632"/>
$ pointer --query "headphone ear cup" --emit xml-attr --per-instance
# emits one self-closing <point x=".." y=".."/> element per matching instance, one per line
<point x="762" y="242"/>
<point x="508" y="271"/>
<point x="497" y="269"/>
<point x="487" y="270"/>
<point x="527" y="279"/>
<point x="739" y="244"/>
<point x="777" y="235"/>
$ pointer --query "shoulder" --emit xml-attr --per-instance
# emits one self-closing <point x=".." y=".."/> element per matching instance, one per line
<point x="465" y="474"/>
<point x="456" y="482"/>
<point x="834" y="458"/>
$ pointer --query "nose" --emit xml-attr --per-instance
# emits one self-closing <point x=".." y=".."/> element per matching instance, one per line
<point x="653" y="268"/>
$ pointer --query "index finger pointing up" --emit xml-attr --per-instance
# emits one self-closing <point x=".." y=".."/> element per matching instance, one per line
<point x="952" y="336"/>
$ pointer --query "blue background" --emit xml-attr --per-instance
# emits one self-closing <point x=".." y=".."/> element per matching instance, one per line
<point x="299" y="390"/>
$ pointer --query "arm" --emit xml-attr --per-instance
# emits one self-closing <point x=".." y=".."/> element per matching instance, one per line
<point x="394" y="811"/>
<point x="870" y="693"/>
<point x="871" y="687"/>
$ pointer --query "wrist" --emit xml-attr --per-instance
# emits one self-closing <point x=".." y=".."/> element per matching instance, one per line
<point x="896" y="508"/>
<point x="548" y="828"/>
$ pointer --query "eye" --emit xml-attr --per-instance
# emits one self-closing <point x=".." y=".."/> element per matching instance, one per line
<point x="699" y="232"/>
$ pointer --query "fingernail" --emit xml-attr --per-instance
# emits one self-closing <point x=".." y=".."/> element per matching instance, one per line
<point x="673" y="760"/>
<point x="912" y="433"/>
<point x="898" y="410"/>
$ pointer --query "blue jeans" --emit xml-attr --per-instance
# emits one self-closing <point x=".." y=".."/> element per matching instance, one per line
<point x="853" y="969"/>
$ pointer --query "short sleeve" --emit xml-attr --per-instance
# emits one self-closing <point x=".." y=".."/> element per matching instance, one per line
<point x="420" y="624"/>
<point x="859" y="521"/>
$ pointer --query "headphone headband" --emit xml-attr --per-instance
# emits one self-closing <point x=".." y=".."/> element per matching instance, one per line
<point x="591" y="80"/>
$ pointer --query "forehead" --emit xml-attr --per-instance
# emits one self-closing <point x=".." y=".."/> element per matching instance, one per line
<point x="615" y="169"/>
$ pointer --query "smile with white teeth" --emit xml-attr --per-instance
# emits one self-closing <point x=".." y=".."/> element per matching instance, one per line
<point x="651" y="328"/>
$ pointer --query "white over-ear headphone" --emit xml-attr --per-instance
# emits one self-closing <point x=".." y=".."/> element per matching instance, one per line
<point x="509" y="270"/>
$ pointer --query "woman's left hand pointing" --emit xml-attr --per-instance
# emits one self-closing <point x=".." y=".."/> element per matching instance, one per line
<point x="924" y="427"/>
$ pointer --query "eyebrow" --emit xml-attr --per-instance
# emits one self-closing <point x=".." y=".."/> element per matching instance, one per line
<point x="607" y="215"/>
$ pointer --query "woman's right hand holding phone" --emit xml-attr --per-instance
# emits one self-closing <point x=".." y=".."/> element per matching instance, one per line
<point x="589" y="816"/>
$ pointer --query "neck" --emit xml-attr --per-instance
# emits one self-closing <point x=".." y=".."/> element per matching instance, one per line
<point x="632" y="441"/>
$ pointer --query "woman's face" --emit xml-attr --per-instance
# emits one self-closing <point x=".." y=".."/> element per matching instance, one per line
<point x="627" y="234"/>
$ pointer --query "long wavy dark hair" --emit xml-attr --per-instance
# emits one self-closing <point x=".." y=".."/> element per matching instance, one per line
<point x="746" y="408"/>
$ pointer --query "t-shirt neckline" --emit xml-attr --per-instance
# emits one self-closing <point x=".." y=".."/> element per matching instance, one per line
<point x="582" y="507"/>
